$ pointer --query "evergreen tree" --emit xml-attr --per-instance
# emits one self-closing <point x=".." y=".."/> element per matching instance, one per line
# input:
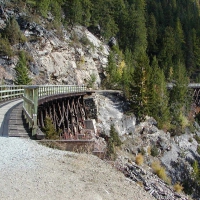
<point x="43" y="6"/>
<point x="22" y="71"/>
<point x="179" y="97"/>
<point x="167" y="52"/>
<point x="152" y="36"/>
<point x="139" y="87"/>
<point x="158" y="96"/>
<point x="12" y="32"/>
<point x="73" y="12"/>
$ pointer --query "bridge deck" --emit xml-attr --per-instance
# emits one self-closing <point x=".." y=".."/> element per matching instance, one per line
<point x="11" y="122"/>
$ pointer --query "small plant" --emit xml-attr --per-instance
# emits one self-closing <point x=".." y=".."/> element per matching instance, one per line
<point x="154" y="151"/>
<point x="190" y="140"/>
<point x="139" y="159"/>
<point x="160" y="171"/>
<point x="91" y="81"/>
<point x="197" y="138"/>
<point x="49" y="129"/>
<point x="111" y="152"/>
<point x="143" y="152"/>
<point x="114" y="135"/>
<point x="5" y="48"/>
<point x="178" y="187"/>
<point x="198" y="149"/>
<point x="149" y="150"/>
<point x="113" y="141"/>
<point x="196" y="172"/>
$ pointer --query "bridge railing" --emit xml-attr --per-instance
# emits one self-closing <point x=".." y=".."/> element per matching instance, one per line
<point x="46" y="90"/>
<point x="8" y="92"/>
<point x="33" y="93"/>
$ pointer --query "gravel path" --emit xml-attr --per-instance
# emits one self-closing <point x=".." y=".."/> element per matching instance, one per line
<point x="31" y="171"/>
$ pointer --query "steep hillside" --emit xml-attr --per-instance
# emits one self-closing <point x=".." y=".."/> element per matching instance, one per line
<point x="78" y="57"/>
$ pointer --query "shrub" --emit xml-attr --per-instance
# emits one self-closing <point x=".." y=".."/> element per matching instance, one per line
<point x="111" y="153"/>
<point x="149" y="150"/>
<point x="196" y="172"/>
<point x="154" y="151"/>
<point x="5" y="48"/>
<point x="178" y="187"/>
<point x="114" y="135"/>
<point x="49" y="130"/>
<point x="190" y="140"/>
<point x="13" y="33"/>
<point x="139" y="159"/>
<point x="91" y="81"/>
<point x="160" y="171"/>
<point x="198" y="149"/>
<point x="142" y="151"/>
<point x="113" y="141"/>
<point x="197" y="138"/>
<point x="21" y="71"/>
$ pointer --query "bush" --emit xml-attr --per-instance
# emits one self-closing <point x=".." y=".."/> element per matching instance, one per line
<point x="114" y="135"/>
<point x="154" y="151"/>
<point x="160" y="171"/>
<point x="49" y="130"/>
<point x="197" y="138"/>
<point x="178" y="187"/>
<point x="5" y="48"/>
<point x="13" y="33"/>
<point x="111" y="153"/>
<point x="91" y="81"/>
<point x="21" y="71"/>
<point x="198" y="149"/>
<point x="113" y="141"/>
<point x="139" y="159"/>
<point x="190" y="140"/>
<point x="196" y="172"/>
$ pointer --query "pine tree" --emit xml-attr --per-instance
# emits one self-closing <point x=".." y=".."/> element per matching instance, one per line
<point x="167" y="52"/>
<point x="180" y="100"/>
<point x="139" y="87"/>
<point x="158" y="96"/>
<point x="12" y="32"/>
<point x="43" y="6"/>
<point x="22" y="71"/>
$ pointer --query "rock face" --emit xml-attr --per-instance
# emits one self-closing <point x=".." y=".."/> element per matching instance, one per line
<point x="70" y="59"/>
<point x="156" y="187"/>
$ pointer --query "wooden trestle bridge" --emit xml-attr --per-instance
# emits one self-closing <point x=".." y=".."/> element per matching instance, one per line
<point x="64" y="104"/>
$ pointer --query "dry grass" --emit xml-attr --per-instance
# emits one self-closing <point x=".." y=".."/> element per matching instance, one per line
<point x="178" y="187"/>
<point x="139" y="159"/>
<point x="160" y="171"/>
<point x="149" y="150"/>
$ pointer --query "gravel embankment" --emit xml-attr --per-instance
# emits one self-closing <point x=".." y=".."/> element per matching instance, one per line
<point x="32" y="171"/>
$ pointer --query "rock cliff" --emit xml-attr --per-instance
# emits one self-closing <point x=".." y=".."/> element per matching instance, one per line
<point x="75" y="56"/>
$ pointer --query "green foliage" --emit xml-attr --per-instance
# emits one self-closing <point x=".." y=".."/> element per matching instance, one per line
<point x="49" y="130"/>
<point x="115" y="137"/>
<point x="154" y="151"/>
<point x="111" y="152"/>
<point x="5" y="48"/>
<point x="43" y="6"/>
<point x="158" y="96"/>
<point x="91" y="81"/>
<point x="197" y="138"/>
<point x="139" y="88"/>
<point x="196" y="172"/>
<point x="12" y="32"/>
<point x="198" y="149"/>
<point x="21" y="70"/>
<point x="113" y="141"/>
